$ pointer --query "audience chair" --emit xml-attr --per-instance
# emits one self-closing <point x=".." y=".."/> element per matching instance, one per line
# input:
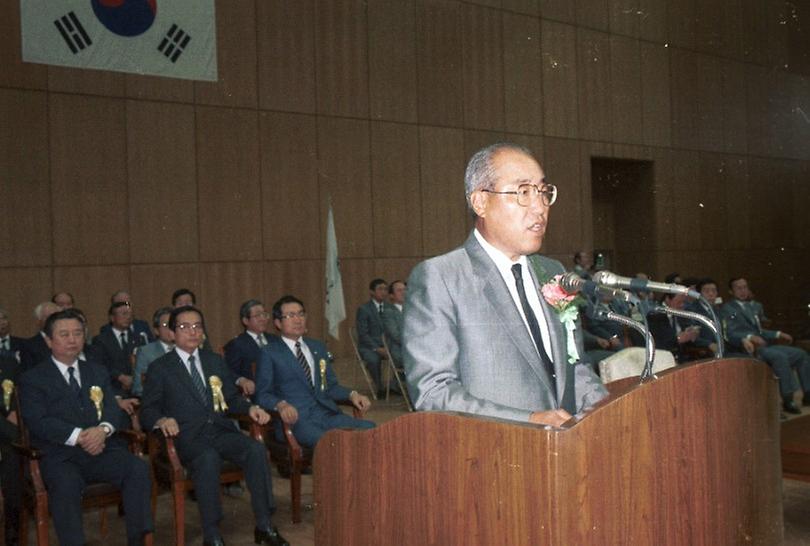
<point x="399" y="373"/>
<point x="35" y="496"/>
<point x="169" y="473"/>
<point x="361" y="363"/>
<point x="630" y="362"/>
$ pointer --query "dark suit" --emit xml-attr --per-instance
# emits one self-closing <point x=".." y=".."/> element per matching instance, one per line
<point x="279" y="377"/>
<point x="207" y="436"/>
<point x="665" y="333"/>
<point x="16" y="346"/>
<point x="51" y="412"/>
<point x="241" y="353"/>
<point x="369" y="337"/>
<point x="34" y="351"/>
<point x="114" y="357"/>
<point x="10" y="463"/>
<point x="139" y="331"/>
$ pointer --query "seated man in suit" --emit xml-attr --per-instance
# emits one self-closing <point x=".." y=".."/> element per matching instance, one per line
<point x="368" y="322"/>
<point x="139" y="330"/>
<point x="69" y="408"/>
<point x="9" y="460"/>
<point x="479" y="337"/>
<point x="242" y="352"/>
<point x="295" y="377"/>
<point x="149" y="353"/>
<point x="672" y="333"/>
<point x="744" y="332"/>
<point x="10" y="346"/>
<point x="392" y="319"/>
<point x="181" y="397"/>
<point x="35" y="348"/>
<point x="115" y="346"/>
<point x="64" y="300"/>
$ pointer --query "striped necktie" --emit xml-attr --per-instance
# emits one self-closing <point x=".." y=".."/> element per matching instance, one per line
<point x="196" y="378"/>
<point x="302" y="361"/>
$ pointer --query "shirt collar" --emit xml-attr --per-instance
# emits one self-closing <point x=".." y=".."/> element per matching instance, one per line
<point x="166" y="346"/>
<point x="502" y="261"/>
<point x="184" y="355"/>
<point x="63" y="368"/>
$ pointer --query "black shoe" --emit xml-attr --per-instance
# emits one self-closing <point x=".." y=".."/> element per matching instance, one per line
<point x="791" y="407"/>
<point x="215" y="542"/>
<point x="269" y="536"/>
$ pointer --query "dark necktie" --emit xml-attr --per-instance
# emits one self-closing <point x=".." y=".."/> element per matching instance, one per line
<point x="534" y="327"/>
<point x="196" y="378"/>
<point x="74" y="383"/>
<point x="380" y="310"/>
<point x="4" y="346"/>
<point x="302" y="361"/>
<point x="124" y="341"/>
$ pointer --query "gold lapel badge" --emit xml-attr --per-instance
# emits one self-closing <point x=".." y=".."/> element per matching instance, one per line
<point x="8" y="389"/>
<point x="322" y="366"/>
<point x="216" y="390"/>
<point x="97" y="395"/>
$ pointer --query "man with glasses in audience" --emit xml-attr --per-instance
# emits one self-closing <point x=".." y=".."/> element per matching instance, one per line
<point x="295" y="377"/>
<point x="479" y="336"/>
<point x="182" y="397"/>
<point x="242" y="352"/>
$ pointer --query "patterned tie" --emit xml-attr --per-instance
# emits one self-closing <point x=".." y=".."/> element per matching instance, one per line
<point x="74" y="384"/>
<point x="534" y="327"/>
<point x="196" y="379"/>
<point x="262" y="340"/>
<point x="302" y="361"/>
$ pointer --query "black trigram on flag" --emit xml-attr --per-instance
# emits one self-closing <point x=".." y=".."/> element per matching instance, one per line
<point x="174" y="43"/>
<point x="73" y="32"/>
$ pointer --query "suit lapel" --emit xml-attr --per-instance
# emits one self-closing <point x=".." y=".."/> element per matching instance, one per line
<point x="491" y="283"/>
<point x="183" y="377"/>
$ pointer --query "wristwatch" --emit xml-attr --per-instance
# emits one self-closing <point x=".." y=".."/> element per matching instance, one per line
<point x="107" y="428"/>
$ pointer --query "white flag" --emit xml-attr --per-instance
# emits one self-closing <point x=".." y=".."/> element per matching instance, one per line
<point x="172" y="38"/>
<point x="335" y="308"/>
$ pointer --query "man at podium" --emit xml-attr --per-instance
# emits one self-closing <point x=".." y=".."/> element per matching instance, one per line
<point x="479" y="336"/>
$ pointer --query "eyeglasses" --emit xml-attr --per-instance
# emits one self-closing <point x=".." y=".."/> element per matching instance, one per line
<point x="260" y="315"/>
<point x="299" y="314"/>
<point x="164" y="324"/>
<point x="188" y="326"/>
<point x="527" y="192"/>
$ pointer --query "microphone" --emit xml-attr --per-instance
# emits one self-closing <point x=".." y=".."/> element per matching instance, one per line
<point x="606" y="278"/>
<point x="573" y="283"/>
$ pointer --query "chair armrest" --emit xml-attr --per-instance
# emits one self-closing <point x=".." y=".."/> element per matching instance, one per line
<point x="26" y="451"/>
<point x="296" y="451"/>
<point x="171" y="453"/>
<point x="135" y="438"/>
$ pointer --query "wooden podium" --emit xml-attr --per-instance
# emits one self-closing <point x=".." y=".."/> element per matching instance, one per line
<point x="691" y="458"/>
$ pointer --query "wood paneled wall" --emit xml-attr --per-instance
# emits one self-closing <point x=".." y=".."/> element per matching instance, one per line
<point x="112" y="181"/>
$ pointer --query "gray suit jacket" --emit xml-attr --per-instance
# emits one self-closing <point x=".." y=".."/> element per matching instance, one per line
<point x="392" y="322"/>
<point x="143" y="358"/>
<point x="467" y="349"/>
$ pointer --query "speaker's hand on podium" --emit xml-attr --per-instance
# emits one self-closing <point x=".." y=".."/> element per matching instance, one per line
<point x="554" y="418"/>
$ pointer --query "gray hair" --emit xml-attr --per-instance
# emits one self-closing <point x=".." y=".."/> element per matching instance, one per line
<point x="244" y="309"/>
<point x="41" y="307"/>
<point x="480" y="174"/>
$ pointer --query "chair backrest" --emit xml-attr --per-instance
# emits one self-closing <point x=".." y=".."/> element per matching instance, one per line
<point x="353" y="337"/>
<point x="630" y="362"/>
<point x="388" y="351"/>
